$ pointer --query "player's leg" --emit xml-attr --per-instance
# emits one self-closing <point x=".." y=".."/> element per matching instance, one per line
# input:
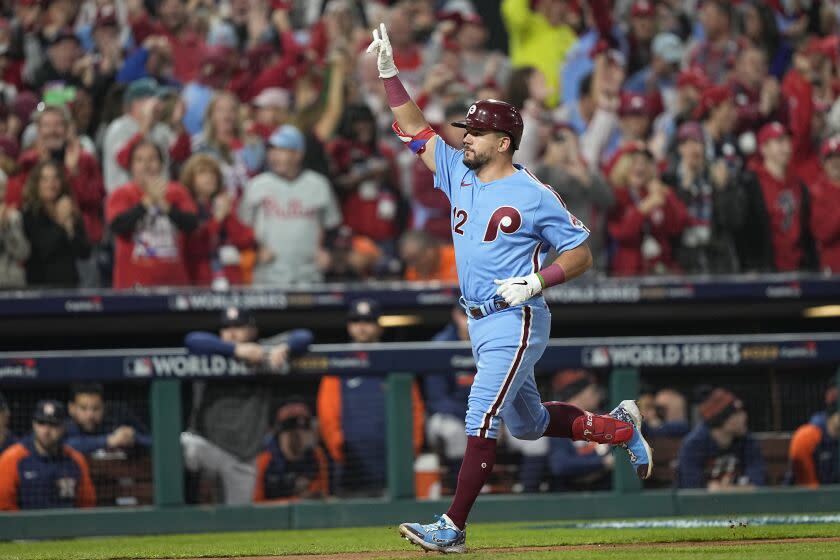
<point x="238" y="480"/>
<point x="528" y="418"/>
<point x="513" y="342"/>
<point x="622" y="426"/>
<point x="506" y="344"/>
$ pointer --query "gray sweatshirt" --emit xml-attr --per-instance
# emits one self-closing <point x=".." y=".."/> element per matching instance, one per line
<point x="289" y="218"/>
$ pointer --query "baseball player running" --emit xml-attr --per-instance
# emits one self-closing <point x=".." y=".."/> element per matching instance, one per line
<point x="504" y="221"/>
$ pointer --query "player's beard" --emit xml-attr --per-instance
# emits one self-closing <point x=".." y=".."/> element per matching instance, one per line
<point x="477" y="161"/>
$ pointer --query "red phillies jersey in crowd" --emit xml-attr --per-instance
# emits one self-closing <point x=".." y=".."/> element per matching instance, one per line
<point x="152" y="254"/>
<point x="783" y="202"/>
<point x="628" y="226"/>
<point x="204" y="243"/>
<point x="371" y="209"/>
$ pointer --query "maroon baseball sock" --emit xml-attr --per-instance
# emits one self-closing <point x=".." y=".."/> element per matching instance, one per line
<point x="568" y="421"/>
<point x="561" y="416"/>
<point x="476" y="468"/>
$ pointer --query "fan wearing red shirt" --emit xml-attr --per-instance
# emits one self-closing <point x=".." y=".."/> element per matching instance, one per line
<point x="647" y="216"/>
<point x="777" y="233"/>
<point x="213" y="249"/>
<point x="150" y="218"/>
<point x="825" y="218"/>
<point x="365" y="174"/>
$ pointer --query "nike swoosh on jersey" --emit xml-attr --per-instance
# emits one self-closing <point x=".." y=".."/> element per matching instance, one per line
<point x="463" y="184"/>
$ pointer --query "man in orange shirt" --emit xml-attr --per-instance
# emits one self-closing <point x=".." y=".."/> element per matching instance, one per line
<point x="292" y="465"/>
<point x="41" y="471"/>
<point x="351" y="414"/>
<point x="426" y="258"/>
<point x="814" y="446"/>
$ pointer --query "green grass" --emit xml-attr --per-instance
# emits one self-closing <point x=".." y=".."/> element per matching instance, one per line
<point x="481" y="536"/>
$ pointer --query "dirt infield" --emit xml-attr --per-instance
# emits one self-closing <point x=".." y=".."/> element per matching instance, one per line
<point x="414" y="551"/>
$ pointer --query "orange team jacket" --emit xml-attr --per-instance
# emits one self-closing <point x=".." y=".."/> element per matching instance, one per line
<point x="446" y="271"/>
<point x="30" y="481"/>
<point x="351" y="408"/>
<point x="813" y="454"/>
<point x="273" y="469"/>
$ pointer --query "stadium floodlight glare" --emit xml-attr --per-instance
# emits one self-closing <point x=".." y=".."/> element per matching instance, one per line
<point x="822" y="311"/>
<point x="399" y="320"/>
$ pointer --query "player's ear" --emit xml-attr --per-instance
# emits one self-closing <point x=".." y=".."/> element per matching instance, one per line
<point x="504" y="143"/>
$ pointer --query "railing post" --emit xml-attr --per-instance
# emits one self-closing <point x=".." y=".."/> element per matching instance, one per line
<point x="624" y="384"/>
<point x="400" y="436"/>
<point x="167" y="459"/>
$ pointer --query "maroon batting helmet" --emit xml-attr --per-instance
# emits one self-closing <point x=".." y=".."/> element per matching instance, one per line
<point x="491" y="114"/>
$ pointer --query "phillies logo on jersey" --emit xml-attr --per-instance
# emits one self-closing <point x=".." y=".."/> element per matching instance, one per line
<point x="506" y="219"/>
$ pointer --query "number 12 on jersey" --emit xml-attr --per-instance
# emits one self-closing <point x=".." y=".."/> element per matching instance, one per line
<point x="459" y="218"/>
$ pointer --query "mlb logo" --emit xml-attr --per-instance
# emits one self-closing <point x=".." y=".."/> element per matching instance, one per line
<point x="138" y="367"/>
<point x="596" y="357"/>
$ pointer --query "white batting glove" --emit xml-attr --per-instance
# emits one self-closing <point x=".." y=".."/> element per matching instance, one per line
<point x="381" y="47"/>
<point x="518" y="289"/>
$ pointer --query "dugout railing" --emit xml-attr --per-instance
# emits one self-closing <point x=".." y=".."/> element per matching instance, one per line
<point x="166" y="369"/>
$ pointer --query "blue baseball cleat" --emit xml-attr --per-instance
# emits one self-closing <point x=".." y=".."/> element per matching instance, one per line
<point x="440" y="536"/>
<point x="641" y="455"/>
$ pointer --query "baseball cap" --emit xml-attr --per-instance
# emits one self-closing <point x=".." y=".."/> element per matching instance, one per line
<point x="106" y="15"/>
<point x="49" y="412"/>
<point x="237" y="317"/>
<point x="24" y="105"/>
<point x="691" y="130"/>
<point x="9" y="147"/>
<point x="693" y="77"/>
<point x="287" y="137"/>
<point x="272" y="97"/>
<point x="826" y="47"/>
<point x="222" y="35"/>
<point x="613" y="54"/>
<point x="668" y="47"/>
<point x="712" y="96"/>
<point x="569" y="382"/>
<point x="642" y="8"/>
<point x="718" y="406"/>
<point x="140" y="89"/>
<point x="830" y="147"/>
<point x="771" y="131"/>
<point x="365" y="309"/>
<point x="291" y="415"/>
<point x="632" y="104"/>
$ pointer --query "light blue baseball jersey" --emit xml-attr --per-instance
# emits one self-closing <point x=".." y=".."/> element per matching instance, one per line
<point x="503" y="228"/>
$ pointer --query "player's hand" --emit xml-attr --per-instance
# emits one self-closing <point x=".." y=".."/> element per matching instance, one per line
<point x="381" y="47"/>
<point x="250" y="352"/>
<point x="278" y="356"/>
<point x="518" y="289"/>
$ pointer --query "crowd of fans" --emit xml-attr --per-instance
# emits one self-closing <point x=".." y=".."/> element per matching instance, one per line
<point x="227" y="142"/>
<point x="247" y="445"/>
